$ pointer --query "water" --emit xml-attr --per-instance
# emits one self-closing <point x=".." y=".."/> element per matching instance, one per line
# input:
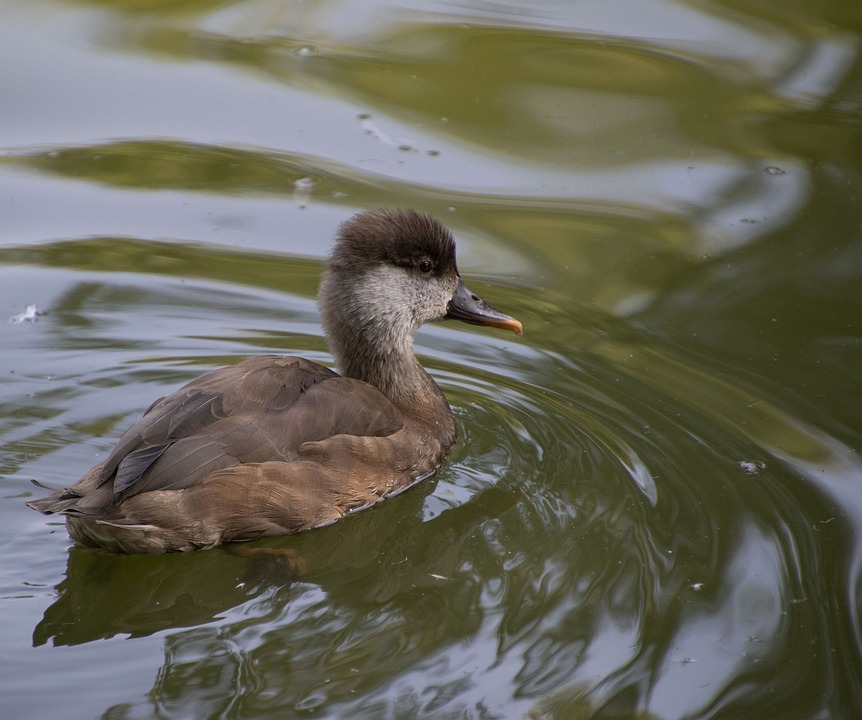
<point x="655" y="507"/>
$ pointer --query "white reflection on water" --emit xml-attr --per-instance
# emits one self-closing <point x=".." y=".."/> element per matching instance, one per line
<point x="726" y="635"/>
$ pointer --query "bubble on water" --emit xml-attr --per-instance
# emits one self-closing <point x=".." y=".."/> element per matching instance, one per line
<point x="752" y="467"/>
<point x="30" y="313"/>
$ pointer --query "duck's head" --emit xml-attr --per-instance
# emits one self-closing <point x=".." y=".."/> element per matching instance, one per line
<point x="390" y="272"/>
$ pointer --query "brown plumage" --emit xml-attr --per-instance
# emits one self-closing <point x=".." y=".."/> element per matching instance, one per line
<point x="276" y="445"/>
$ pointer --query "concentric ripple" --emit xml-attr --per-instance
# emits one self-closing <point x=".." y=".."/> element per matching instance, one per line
<point x="618" y="517"/>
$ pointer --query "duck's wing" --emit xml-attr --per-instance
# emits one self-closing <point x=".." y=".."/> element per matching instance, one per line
<point x="261" y="410"/>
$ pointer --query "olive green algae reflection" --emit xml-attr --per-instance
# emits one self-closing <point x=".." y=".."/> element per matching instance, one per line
<point x="653" y="509"/>
<point x="539" y="517"/>
<point x="169" y="165"/>
<point x="171" y="259"/>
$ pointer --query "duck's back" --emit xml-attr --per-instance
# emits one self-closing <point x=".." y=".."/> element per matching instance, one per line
<point x="270" y="446"/>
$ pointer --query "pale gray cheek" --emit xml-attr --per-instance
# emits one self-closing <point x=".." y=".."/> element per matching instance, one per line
<point x="406" y="298"/>
<point x="446" y="290"/>
<point x="432" y="300"/>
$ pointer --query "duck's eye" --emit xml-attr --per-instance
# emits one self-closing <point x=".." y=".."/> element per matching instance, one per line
<point x="426" y="266"/>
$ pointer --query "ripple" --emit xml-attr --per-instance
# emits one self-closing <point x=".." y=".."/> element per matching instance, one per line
<point x="594" y="522"/>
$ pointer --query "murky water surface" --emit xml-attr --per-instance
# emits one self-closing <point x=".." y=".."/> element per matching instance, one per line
<point x="655" y="508"/>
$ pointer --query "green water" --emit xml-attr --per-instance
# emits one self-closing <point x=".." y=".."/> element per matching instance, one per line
<point x="655" y="507"/>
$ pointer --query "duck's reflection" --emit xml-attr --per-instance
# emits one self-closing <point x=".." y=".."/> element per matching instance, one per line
<point x="370" y="557"/>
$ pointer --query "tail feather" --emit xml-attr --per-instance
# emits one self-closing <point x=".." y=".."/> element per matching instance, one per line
<point x="59" y="501"/>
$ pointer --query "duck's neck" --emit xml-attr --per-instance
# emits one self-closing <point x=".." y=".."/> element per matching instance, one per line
<point x="386" y="359"/>
<point x="370" y="332"/>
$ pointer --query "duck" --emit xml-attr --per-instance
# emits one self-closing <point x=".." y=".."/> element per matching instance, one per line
<point x="276" y="445"/>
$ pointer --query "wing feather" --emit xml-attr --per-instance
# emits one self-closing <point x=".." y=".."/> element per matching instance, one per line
<point x="260" y="410"/>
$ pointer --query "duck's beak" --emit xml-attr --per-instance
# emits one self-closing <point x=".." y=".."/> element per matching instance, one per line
<point x="468" y="307"/>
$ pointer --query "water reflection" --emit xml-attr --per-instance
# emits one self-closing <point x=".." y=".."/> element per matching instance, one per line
<point x="669" y="198"/>
<point x="593" y="543"/>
